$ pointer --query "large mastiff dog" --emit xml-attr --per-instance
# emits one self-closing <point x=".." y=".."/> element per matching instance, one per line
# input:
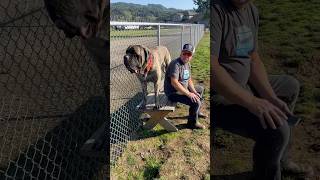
<point x="81" y="18"/>
<point x="148" y="65"/>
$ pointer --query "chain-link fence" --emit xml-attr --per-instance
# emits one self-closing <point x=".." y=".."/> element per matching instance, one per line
<point x="125" y="88"/>
<point x="51" y="98"/>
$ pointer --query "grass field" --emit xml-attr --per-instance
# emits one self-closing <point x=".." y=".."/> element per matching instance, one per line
<point x="289" y="43"/>
<point x="179" y="155"/>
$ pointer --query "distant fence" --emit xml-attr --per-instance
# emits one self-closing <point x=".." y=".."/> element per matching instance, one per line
<point x="125" y="89"/>
<point x="51" y="98"/>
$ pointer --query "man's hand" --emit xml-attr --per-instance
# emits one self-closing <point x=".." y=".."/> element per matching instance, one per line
<point x="267" y="113"/>
<point x="196" y="93"/>
<point x="199" y="95"/>
<point x="281" y="105"/>
<point x="194" y="97"/>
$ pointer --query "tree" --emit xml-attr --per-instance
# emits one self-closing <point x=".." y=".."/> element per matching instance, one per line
<point x="203" y="7"/>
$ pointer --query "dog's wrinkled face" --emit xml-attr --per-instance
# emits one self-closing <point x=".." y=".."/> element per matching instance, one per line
<point x="135" y="58"/>
<point x="77" y="17"/>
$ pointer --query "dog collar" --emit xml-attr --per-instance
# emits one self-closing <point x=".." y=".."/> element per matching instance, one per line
<point x="149" y="64"/>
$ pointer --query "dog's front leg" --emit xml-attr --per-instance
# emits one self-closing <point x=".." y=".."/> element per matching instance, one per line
<point x="145" y="94"/>
<point x="156" y="94"/>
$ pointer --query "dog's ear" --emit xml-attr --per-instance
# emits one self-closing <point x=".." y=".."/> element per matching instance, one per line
<point x="144" y="54"/>
<point x="129" y="50"/>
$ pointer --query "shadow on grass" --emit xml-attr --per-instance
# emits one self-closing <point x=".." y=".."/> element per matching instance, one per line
<point x="145" y="134"/>
<point x="179" y="117"/>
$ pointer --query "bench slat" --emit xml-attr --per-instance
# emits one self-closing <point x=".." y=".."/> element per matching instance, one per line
<point x="165" y="103"/>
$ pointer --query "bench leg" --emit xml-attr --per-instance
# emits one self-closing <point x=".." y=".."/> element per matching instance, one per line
<point x="166" y="124"/>
<point x="159" y="117"/>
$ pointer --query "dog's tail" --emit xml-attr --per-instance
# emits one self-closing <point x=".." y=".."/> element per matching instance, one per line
<point x="167" y="59"/>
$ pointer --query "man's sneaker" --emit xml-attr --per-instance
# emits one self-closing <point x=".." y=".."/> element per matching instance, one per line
<point x="195" y="125"/>
<point x="201" y="115"/>
<point x="292" y="168"/>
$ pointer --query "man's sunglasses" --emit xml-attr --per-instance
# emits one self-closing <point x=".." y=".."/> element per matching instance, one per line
<point x="187" y="54"/>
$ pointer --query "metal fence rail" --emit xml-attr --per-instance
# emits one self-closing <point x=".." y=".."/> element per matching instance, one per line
<point x="125" y="89"/>
<point x="51" y="98"/>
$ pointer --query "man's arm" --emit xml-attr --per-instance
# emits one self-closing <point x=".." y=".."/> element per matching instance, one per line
<point x="224" y="84"/>
<point x="259" y="80"/>
<point x="191" y="85"/>
<point x="176" y="84"/>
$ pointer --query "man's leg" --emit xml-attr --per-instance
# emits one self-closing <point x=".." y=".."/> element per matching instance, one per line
<point x="200" y="90"/>
<point x="269" y="145"/>
<point x="287" y="88"/>
<point x="194" y="108"/>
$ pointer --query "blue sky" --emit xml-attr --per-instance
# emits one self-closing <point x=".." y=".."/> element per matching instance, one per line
<point x="178" y="4"/>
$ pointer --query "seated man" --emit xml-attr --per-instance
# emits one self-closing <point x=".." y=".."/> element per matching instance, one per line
<point x="245" y="100"/>
<point x="178" y="86"/>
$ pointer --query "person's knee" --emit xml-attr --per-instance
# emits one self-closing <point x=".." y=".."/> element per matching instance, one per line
<point x="281" y="135"/>
<point x="196" y="105"/>
<point x="199" y="89"/>
<point x="292" y="84"/>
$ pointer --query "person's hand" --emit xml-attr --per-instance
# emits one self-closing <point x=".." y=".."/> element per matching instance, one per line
<point x="194" y="97"/>
<point x="268" y="114"/>
<point x="196" y="93"/>
<point x="281" y="105"/>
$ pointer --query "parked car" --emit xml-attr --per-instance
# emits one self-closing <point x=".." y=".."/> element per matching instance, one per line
<point x="146" y="27"/>
<point x="131" y="27"/>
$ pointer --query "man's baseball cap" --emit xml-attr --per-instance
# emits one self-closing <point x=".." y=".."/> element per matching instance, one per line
<point x="188" y="47"/>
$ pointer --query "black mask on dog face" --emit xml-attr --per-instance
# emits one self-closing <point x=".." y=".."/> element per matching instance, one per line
<point x="77" y="17"/>
<point x="132" y="60"/>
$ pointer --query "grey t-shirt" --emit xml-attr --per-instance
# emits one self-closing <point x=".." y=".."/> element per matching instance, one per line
<point x="180" y="71"/>
<point x="233" y="37"/>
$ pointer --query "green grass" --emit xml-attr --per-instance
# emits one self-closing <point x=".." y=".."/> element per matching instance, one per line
<point x="290" y="27"/>
<point x="152" y="168"/>
<point x="290" y="33"/>
<point x="201" y="59"/>
<point x="201" y="63"/>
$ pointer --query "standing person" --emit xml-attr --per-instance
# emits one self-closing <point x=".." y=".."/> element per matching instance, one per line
<point x="179" y="87"/>
<point x="245" y="100"/>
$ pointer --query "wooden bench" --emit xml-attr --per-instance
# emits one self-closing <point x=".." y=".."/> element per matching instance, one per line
<point x="158" y="116"/>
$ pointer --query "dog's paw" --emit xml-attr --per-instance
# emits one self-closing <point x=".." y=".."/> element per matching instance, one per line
<point x="156" y="107"/>
<point x="143" y="107"/>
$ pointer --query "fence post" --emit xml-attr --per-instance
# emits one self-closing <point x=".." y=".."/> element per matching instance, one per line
<point x="194" y="34"/>
<point x="197" y="34"/>
<point x="190" y="34"/>
<point x="159" y="35"/>
<point x="182" y="29"/>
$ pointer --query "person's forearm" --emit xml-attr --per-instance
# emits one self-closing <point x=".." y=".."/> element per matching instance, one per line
<point x="224" y="84"/>
<point x="259" y="79"/>
<point x="175" y="83"/>
<point x="191" y="86"/>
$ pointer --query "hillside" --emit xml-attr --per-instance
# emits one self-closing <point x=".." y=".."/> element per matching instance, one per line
<point x="135" y="12"/>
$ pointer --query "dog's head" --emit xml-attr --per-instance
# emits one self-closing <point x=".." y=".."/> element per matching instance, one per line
<point x="77" y="17"/>
<point x="136" y="59"/>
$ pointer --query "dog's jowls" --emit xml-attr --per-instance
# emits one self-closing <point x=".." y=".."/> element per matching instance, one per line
<point x="78" y="17"/>
<point x="148" y="65"/>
